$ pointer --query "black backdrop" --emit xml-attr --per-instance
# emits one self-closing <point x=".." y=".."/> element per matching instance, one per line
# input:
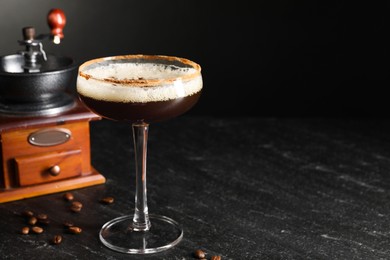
<point x="261" y="58"/>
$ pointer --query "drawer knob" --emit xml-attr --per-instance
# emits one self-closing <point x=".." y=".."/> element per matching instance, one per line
<point x="55" y="170"/>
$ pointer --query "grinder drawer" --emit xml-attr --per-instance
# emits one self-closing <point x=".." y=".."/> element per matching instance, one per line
<point x="47" y="167"/>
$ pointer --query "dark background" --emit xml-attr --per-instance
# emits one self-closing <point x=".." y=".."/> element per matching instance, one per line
<point x="259" y="58"/>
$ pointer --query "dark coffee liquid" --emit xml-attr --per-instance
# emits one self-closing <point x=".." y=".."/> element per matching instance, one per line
<point x="141" y="112"/>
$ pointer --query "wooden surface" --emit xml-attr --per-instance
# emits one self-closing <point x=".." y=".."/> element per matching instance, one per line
<point x="242" y="188"/>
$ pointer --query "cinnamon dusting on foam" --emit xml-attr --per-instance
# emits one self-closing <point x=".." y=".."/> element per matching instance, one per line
<point x="139" y="82"/>
<point x="126" y="81"/>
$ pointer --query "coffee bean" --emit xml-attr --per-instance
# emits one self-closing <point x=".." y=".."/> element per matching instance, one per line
<point x="37" y="230"/>
<point x="41" y="216"/>
<point x="199" y="254"/>
<point x="27" y="213"/>
<point x="68" y="196"/>
<point x="75" y="209"/>
<point x="75" y="230"/>
<point x="25" y="230"/>
<point x="215" y="257"/>
<point x="44" y="221"/>
<point x="68" y="224"/>
<point x="107" y="200"/>
<point x="57" y="239"/>
<point x="76" y="206"/>
<point x="32" y="220"/>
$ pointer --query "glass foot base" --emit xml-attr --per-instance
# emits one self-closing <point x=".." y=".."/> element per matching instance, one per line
<point x="163" y="234"/>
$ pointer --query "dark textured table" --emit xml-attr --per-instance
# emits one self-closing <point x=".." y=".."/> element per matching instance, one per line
<point x="243" y="188"/>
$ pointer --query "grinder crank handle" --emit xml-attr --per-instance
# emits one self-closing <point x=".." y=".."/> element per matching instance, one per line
<point x="56" y="20"/>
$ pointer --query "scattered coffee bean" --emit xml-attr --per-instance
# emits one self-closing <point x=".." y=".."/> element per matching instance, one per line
<point x="107" y="200"/>
<point x="68" y="224"/>
<point x="41" y="216"/>
<point x="68" y="196"/>
<point x="27" y="213"/>
<point x="75" y="230"/>
<point x="199" y="254"/>
<point x="75" y="209"/>
<point x="76" y="206"/>
<point x="32" y="220"/>
<point x="57" y="239"/>
<point x="25" y="230"/>
<point x="215" y="257"/>
<point x="44" y="221"/>
<point x="37" y="230"/>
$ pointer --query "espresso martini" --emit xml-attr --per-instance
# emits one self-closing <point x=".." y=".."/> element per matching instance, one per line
<point x="138" y="90"/>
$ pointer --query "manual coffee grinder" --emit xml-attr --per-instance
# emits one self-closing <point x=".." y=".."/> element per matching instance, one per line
<point x="44" y="129"/>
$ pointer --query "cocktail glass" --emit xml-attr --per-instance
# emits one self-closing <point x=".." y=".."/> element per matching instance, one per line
<point x="140" y="89"/>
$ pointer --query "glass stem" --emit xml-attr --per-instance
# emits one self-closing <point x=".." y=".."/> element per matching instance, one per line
<point x="141" y="220"/>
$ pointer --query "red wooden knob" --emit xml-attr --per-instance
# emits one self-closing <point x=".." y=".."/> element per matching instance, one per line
<point x="56" y="20"/>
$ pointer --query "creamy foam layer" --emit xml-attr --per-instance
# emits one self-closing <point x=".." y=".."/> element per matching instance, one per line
<point x="138" y="82"/>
